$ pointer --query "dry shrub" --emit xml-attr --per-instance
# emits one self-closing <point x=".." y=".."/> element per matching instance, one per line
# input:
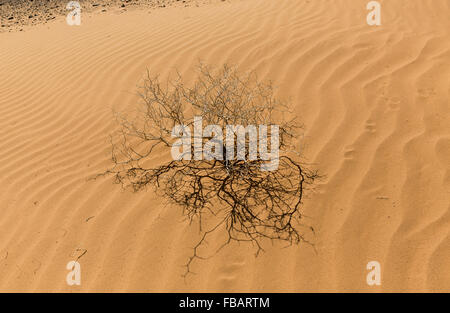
<point x="231" y="196"/>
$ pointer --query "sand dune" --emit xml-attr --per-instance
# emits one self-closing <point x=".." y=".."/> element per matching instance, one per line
<point x="374" y="101"/>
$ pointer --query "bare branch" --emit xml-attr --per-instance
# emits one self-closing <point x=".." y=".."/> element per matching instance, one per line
<point x="250" y="205"/>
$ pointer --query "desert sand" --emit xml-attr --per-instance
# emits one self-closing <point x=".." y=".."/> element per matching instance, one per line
<point x="374" y="101"/>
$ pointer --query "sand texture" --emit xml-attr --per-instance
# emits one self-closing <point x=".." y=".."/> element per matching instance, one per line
<point x="374" y="101"/>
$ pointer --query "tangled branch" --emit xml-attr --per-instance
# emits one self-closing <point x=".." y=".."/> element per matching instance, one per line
<point x="249" y="204"/>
